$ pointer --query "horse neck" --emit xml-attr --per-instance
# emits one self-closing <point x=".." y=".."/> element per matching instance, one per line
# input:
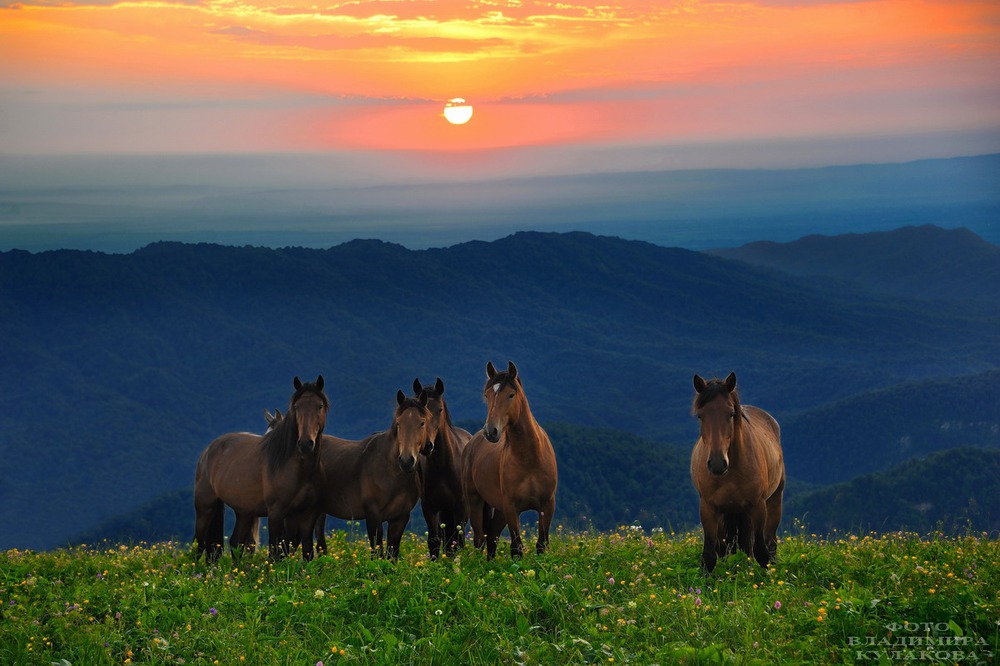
<point x="445" y="447"/>
<point x="523" y="434"/>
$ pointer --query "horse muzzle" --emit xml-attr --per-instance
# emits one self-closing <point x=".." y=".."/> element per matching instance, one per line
<point x="491" y="433"/>
<point x="718" y="465"/>
<point x="407" y="463"/>
<point x="307" y="445"/>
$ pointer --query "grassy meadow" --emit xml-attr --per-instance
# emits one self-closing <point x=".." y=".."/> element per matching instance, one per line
<point x="622" y="597"/>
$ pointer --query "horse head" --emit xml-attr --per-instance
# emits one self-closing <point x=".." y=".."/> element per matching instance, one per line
<point x="411" y="429"/>
<point x="436" y="406"/>
<point x="273" y="420"/>
<point x="717" y="406"/>
<point x="504" y="398"/>
<point x="308" y="409"/>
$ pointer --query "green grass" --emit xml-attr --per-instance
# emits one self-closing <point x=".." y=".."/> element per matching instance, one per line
<point x="612" y="598"/>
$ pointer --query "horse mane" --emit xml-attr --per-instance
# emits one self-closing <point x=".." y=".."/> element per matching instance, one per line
<point x="279" y="444"/>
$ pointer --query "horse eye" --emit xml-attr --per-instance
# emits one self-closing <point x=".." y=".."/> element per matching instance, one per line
<point x="732" y="414"/>
<point x="511" y="396"/>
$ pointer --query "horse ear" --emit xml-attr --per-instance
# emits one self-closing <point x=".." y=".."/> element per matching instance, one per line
<point x="267" y="416"/>
<point x="731" y="382"/>
<point x="511" y="370"/>
<point x="277" y="413"/>
<point x="491" y="372"/>
<point x="400" y="397"/>
<point x="417" y="387"/>
<point x="423" y="398"/>
<point x="699" y="383"/>
<point x="296" y="383"/>
<point x="319" y="382"/>
<point x="439" y="386"/>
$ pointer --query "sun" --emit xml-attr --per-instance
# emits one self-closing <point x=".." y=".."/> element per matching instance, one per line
<point x="457" y="111"/>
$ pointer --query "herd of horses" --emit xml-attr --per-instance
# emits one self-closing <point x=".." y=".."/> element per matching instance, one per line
<point x="295" y="475"/>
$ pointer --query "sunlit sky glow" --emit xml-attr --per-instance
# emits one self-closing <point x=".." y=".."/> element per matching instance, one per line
<point x="103" y="76"/>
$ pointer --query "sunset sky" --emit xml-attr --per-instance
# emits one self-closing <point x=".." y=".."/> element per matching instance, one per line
<point x="259" y="76"/>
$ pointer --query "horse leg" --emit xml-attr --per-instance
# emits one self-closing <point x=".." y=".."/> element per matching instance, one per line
<point x="710" y="526"/>
<point x="773" y="519"/>
<point x="433" y="520"/>
<point x="478" y="520"/>
<point x="320" y="531"/>
<point x="757" y="519"/>
<point x="394" y="535"/>
<point x="544" y="521"/>
<point x="241" y="535"/>
<point x="513" y="520"/>
<point x="494" y="526"/>
<point x="461" y="517"/>
<point x="744" y="535"/>
<point x="277" y="535"/>
<point x="454" y="526"/>
<point x="209" y="526"/>
<point x="373" y="524"/>
<point x="301" y="533"/>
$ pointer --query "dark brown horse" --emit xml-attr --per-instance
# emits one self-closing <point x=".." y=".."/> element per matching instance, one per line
<point x="739" y="472"/>
<point x="375" y="478"/>
<point x="509" y="467"/>
<point x="274" y="476"/>
<point x="439" y="475"/>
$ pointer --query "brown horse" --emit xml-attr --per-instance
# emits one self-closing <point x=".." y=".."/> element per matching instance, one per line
<point x="275" y="476"/>
<point x="739" y="472"/>
<point x="439" y="475"/>
<point x="375" y="478"/>
<point x="509" y="467"/>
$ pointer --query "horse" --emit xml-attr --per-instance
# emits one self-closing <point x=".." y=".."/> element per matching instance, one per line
<point x="439" y="475"/>
<point x="738" y="469"/>
<point x="375" y="478"/>
<point x="508" y="467"/>
<point x="273" y="476"/>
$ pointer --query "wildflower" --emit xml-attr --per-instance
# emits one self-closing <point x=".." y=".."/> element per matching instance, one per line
<point x="212" y="611"/>
<point x="319" y="594"/>
<point x="777" y="605"/>
<point x="611" y="580"/>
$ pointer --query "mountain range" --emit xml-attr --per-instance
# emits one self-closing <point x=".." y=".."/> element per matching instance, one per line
<point x="119" y="369"/>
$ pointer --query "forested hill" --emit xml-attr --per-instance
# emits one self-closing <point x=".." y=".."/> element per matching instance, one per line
<point x="914" y="262"/>
<point x="119" y="369"/>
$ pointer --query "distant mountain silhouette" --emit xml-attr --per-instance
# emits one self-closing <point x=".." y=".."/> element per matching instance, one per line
<point x="925" y="262"/>
<point x="119" y="369"/>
